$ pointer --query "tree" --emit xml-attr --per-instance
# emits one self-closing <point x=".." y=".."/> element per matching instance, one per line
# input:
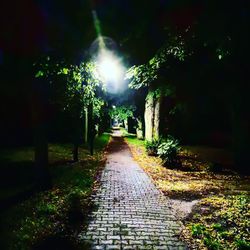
<point x="75" y="91"/>
<point x="40" y="96"/>
<point x="148" y="75"/>
<point x="122" y="113"/>
<point x="83" y="82"/>
<point x="40" y="127"/>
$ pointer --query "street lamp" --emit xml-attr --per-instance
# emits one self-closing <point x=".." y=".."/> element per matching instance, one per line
<point x="110" y="69"/>
<point x="111" y="72"/>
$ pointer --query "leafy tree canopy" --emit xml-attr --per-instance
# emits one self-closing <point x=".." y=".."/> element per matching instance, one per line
<point x="76" y="85"/>
<point x="145" y="74"/>
<point x="122" y="112"/>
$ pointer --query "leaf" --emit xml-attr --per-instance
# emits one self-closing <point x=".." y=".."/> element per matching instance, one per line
<point x="65" y="71"/>
<point x="39" y="74"/>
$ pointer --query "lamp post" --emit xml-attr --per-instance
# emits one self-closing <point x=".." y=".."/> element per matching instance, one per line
<point x="91" y="130"/>
<point x="109" y="70"/>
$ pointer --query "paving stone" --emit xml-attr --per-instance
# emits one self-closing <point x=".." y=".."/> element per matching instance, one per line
<point x="113" y="237"/>
<point x="136" y="242"/>
<point x="98" y="247"/>
<point x="161" y="248"/>
<point x="113" y="247"/>
<point x="128" y="237"/>
<point x="131" y="213"/>
<point x="106" y="242"/>
<point x="128" y="248"/>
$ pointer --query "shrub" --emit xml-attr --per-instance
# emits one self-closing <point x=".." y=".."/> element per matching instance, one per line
<point x="212" y="244"/>
<point x="168" y="150"/>
<point x="152" y="146"/>
<point x="198" y="230"/>
<point x="45" y="208"/>
<point x="225" y="225"/>
<point x="242" y="244"/>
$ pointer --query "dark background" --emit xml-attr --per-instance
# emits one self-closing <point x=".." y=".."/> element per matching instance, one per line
<point x="215" y="92"/>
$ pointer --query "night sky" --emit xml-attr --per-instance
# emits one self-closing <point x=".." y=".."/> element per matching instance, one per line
<point x="139" y="27"/>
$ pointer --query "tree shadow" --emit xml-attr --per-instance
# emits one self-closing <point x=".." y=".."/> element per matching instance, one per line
<point x="16" y="182"/>
<point x="60" y="242"/>
<point x="16" y="173"/>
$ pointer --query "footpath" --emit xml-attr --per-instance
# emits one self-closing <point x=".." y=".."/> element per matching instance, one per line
<point x="131" y="213"/>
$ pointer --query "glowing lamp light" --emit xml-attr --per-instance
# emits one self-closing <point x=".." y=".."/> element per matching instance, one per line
<point x="110" y="67"/>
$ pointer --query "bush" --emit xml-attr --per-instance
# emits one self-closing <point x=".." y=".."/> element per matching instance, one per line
<point x="152" y="146"/>
<point x="212" y="244"/>
<point x="168" y="150"/>
<point x="242" y="244"/>
<point x="225" y="225"/>
<point x="198" y="230"/>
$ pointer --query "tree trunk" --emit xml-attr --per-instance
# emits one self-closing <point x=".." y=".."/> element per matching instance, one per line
<point x="91" y="129"/>
<point x="86" y="125"/>
<point x="149" y="117"/>
<point x="152" y="115"/>
<point x="139" y="131"/>
<point x="40" y="124"/>
<point x="126" y="124"/>
<point x="76" y="134"/>
<point x="75" y="152"/>
<point x="156" y="125"/>
<point x="41" y="157"/>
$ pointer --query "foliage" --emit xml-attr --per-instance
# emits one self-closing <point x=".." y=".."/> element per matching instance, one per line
<point x="82" y="84"/>
<point x="219" y="221"/>
<point x="132" y="140"/>
<point x="46" y="214"/>
<point x="143" y="75"/>
<point x="75" y="85"/>
<point x="188" y="182"/>
<point x="168" y="150"/>
<point x="197" y="229"/>
<point x="122" y="113"/>
<point x="167" y="90"/>
<point x="224" y="224"/>
<point x="152" y="146"/>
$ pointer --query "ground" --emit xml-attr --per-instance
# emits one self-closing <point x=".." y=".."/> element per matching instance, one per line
<point x="211" y="201"/>
<point x="49" y="219"/>
<point x="131" y="212"/>
<point x="121" y="198"/>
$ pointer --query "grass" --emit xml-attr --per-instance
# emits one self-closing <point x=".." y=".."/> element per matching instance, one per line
<point x="220" y="222"/>
<point x="59" y="210"/>
<point x="133" y="141"/>
<point x="16" y="163"/>
<point x="223" y="195"/>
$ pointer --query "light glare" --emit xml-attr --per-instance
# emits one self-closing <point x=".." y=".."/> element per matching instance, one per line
<point x="110" y="67"/>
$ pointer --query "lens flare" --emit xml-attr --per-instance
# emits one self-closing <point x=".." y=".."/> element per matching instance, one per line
<point x="110" y="67"/>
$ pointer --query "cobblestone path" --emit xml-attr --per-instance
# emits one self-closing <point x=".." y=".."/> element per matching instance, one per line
<point x="131" y="213"/>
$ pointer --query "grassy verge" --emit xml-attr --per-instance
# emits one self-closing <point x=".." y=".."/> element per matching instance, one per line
<point x="220" y="222"/>
<point x="223" y="195"/>
<point x="61" y="210"/>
